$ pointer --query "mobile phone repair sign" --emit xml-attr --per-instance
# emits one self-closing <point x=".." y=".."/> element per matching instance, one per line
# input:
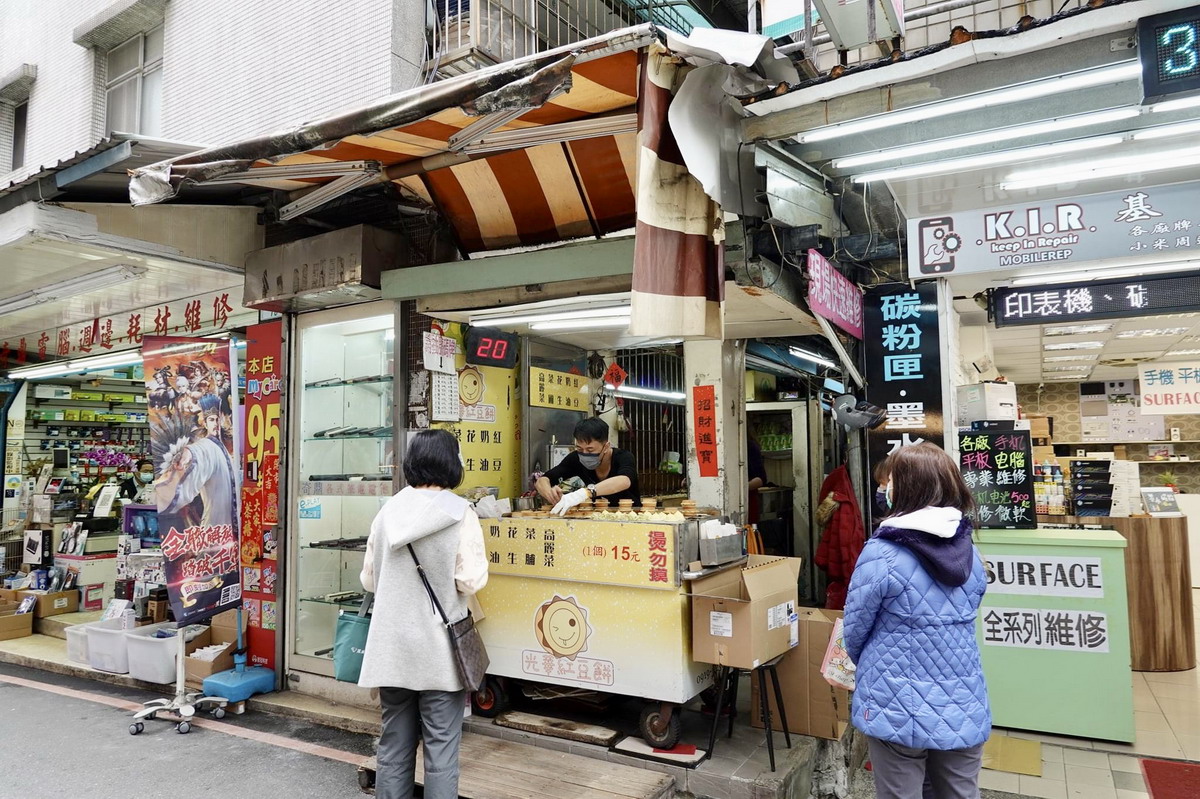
<point x="1153" y="223"/>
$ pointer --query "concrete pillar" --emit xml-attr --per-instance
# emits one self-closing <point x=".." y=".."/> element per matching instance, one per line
<point x="722" y="365"/>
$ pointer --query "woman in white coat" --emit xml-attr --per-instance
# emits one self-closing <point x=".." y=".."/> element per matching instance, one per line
<point x="408" y="655"/>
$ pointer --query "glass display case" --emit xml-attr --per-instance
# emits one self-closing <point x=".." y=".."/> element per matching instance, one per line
<point x="346" y="468"/>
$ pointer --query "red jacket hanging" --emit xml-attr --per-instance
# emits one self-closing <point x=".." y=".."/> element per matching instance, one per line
<point x="843" y="535"/>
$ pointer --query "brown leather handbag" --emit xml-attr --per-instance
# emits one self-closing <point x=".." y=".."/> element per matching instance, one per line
<point x="470" y="655"/>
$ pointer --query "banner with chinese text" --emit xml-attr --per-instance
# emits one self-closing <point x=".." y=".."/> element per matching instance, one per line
<point x="704" y="411"/>
<point x="260" y="490"/>
<point x="190" y="387"/>
<point x="903" y="367"/>
<point x="1170" y="388"/>
<point x="559" y="390"/>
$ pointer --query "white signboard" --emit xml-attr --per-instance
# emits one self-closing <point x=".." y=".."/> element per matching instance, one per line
<point x="1031" y="628"/>
<point x="1045" y="576"/>
<point x="445" y="397"/>
<point x="438" y="352"/>
<point x="1170" y="388"/>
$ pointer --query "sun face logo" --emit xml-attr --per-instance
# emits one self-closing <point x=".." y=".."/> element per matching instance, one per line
<point x="561" y="627"/>
<point x="470" y="386"/>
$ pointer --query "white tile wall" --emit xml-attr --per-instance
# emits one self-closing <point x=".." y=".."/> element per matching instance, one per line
<point x="232" y="69"/>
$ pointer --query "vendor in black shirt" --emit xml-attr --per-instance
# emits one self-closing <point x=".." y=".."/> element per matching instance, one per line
<point x="605" y="470"/>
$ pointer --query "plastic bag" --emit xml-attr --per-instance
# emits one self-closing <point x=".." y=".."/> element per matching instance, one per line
<point x="837" y="668"/>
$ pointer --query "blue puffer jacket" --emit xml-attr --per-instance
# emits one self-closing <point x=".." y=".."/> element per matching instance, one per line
<point x="910" y="629"/>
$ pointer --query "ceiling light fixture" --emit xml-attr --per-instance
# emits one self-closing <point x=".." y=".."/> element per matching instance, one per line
<point x="1080" y="172"/>
<point x="1100" y="273"/>
<point x="646" y="392"/>
<point x="582" y="324"/>
<point x="1075" y="345"/>
<point x="108" y="360"/>
<point x="1075" y="330"/>
<point x="1181" y="352"/>
<point x="987" y="137"/>
<point x="809" y="356"/>
<point x="65" y="289"/>
<point x="1151" y="332"/>
<point x="1176" y="105"/>
<point x="1072" y="358"/>
<point x="1116" y="73"/>
<point x="552" y="316"/>
<point x="989" y="159"/>
<point x="1066" y="368"/>
<point x="1166" y="131"/>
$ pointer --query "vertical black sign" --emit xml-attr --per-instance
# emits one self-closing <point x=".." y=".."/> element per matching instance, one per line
<point x="998" y="468"/>
<point x="903" y="367"/>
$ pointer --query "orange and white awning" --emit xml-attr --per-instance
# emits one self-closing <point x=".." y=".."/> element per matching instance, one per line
<point x="524" y="153"/>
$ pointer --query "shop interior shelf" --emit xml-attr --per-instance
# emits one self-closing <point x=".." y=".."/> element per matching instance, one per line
<point x="383" y="437"/>
<point x="777" y="454"/>
<point x="356" y="548"/>
<point x="345" y="603"/>
<point x="352" y="381"/>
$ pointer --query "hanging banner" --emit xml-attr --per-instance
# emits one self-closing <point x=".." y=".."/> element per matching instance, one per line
<point x="1170" y="388"/>
<point x="260" y="489"/>
<point x="832" y="296"/>
<point x="1155" y="221"/>
<point x="704" y="411"/>
<point x="903" y="367"/>
<point x="193" y="402"/>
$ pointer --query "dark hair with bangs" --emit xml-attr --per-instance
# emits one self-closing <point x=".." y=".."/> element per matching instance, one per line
<point x="432" y="460"/>
<point x="592" y="429"/>
<point x="924" y="475"/>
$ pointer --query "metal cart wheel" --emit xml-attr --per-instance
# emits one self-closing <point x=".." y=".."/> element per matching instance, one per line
<point x="183" y="728"/>
<point x="218" y="713"/>
<point x="492" y="699"/>
<point x="659" y="725"/>
<point x="136" y="728"/>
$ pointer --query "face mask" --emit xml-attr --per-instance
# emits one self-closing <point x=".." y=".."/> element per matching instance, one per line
<point x="145" y="477"/>
<point x="887" y="496"/>
<point x="589" y="461"/>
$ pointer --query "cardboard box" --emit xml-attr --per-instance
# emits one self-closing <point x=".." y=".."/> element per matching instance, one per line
<point x="13" y="624"/>
<point x="743" y="617"/>
<point x="1040" y="425"/>
<point x="990" y="401"/>
<point x="222" y="631"/>
<point x="53" y="604"/>
<point x="814" y="707"/>
<point x="94" y="596"/>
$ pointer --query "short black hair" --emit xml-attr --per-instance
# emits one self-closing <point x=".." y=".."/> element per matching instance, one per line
<point x="593" y="429"/>
<point x="137" y="467"/>
<point x="432" y="460"/>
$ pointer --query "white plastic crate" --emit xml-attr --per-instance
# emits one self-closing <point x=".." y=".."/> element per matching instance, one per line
<point x="106" y="647"/>
<point x="77" y="638"/>
<point x="152" y="659"/>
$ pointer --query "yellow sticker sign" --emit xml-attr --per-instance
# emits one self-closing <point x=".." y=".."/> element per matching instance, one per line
<point x="615" y="553"/>
<point x="551" y="389"/>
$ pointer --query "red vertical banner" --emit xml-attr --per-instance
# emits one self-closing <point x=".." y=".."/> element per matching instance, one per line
<point x="704" y="414"/>
<point x="260" y="490"/>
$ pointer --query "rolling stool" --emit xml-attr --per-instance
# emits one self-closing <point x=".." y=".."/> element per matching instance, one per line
<point x="727" y="688"/>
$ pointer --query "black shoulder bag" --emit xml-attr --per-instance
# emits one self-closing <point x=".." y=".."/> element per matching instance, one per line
<point x="470" y="655"/>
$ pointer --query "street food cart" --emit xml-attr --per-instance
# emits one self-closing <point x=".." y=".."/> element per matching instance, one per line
<point x="587" y="605"/>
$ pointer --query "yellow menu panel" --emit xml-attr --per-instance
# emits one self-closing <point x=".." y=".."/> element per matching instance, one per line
<point x="551" y="389"/>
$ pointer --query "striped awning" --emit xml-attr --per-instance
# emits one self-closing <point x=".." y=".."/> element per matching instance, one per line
<point x="524" y="153"/>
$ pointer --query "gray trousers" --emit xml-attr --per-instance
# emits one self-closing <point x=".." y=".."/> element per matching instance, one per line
<point x="902" y="772"/>
<point x="436" y="719"/>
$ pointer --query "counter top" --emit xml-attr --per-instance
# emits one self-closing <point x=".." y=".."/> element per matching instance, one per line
<point x="1051" y="536"/>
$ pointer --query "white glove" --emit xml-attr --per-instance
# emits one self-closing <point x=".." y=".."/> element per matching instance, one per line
<point x="569" y="501"/>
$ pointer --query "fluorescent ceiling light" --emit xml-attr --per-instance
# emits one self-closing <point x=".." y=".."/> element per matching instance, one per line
<point x="1116" y="73"/>
<point x="646" y="392"/>
<point x="1104" y="168"/>
<point x="552" y="316"/>
<point x="553" y="134"/>
<point x="64" y="289"/>
<point x="987" y="137"/>
<point x="1098" y="274"/>
<point x="1075" y="330"/>
<point x="1182" y="352"/>
<point x="581" y="324"/>
<point x="78" y="365"/>
<point x="1151" y="332"/>
<point x="1165" y="131"/>
<point x="1066" y="368"/>
<point x="1071" y="358"/>
<point x="1176" y="105"/>
<point x="1075" y="345"/>
<point x="809" y="356"/>
<point x="989" y="159"/>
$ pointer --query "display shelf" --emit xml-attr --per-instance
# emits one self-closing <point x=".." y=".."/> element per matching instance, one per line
<point x="776" y="407"/>
<point x="359" y="548"/>
<point x="344" y="603"/>
<point x="1135" y="443"/>
<point x="353" y="381"/>
<point x="377" y="437"/>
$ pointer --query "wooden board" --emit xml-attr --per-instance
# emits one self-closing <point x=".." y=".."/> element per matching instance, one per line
<point x="493" y="768"/>
<point x="558" y="728"/>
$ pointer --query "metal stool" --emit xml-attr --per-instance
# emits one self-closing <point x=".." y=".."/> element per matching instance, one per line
<point x="727" y="688"/>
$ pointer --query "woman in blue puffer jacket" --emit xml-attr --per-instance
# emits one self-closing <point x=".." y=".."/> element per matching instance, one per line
<point x="910" y="628"/>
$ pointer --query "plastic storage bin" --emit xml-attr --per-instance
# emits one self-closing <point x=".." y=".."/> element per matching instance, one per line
<point x="151" y="659"/>
<point x="77" y="639"/>
<point x="106" y="647"/>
